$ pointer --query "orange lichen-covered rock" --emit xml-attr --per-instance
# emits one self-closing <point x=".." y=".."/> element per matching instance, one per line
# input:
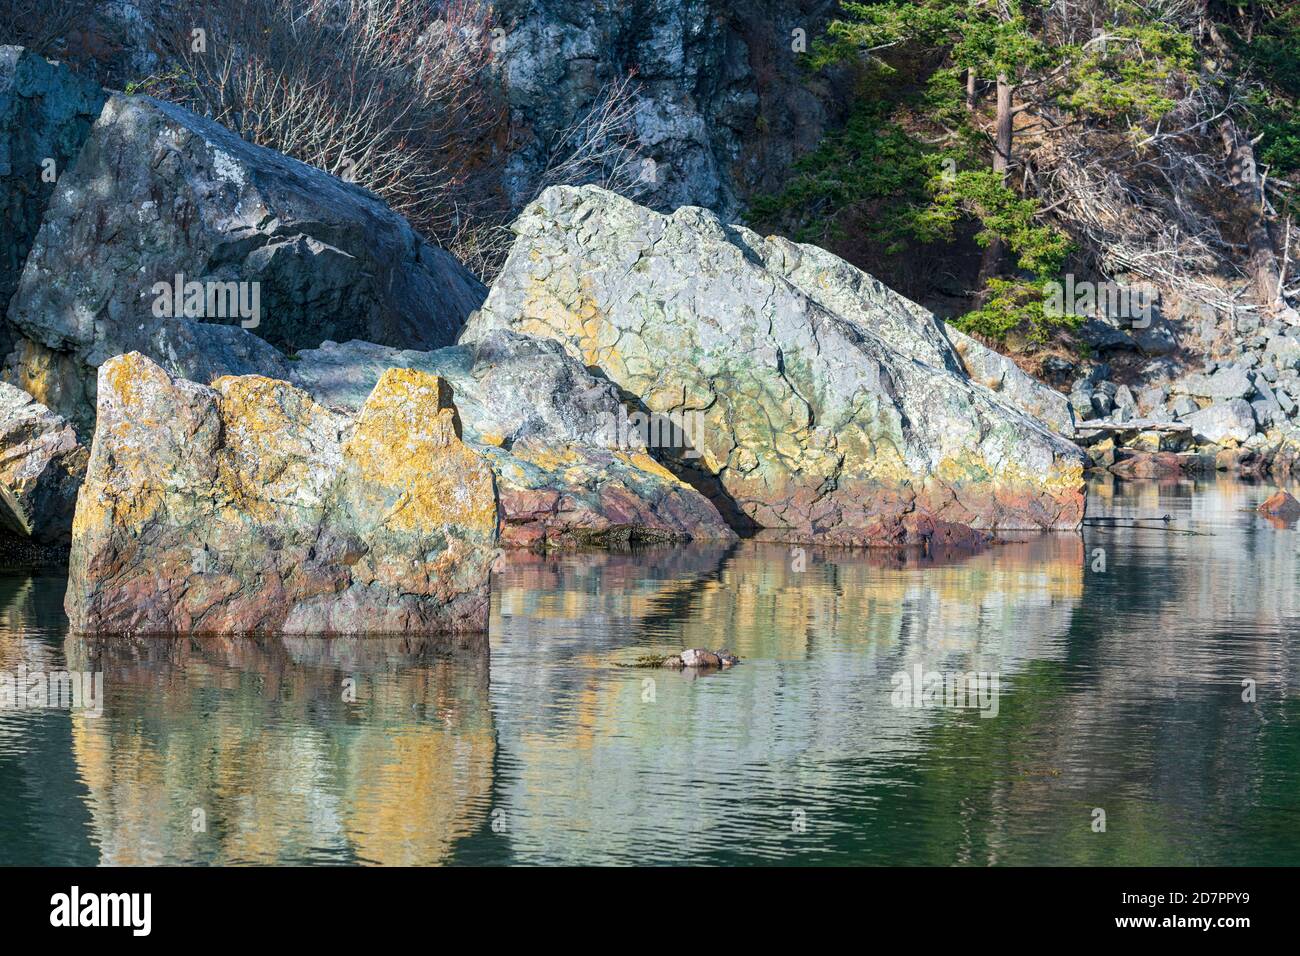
<point x="248" y="507"/>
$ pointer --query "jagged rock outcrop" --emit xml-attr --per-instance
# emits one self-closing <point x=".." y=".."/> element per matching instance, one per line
<point x="813" y="425"/>
<point x="41" y="467"/>
<point x="245" y="506"/>
<point x="571" y="468"/>
<point x="45" y="114"/>
<point x="174" y="237"/>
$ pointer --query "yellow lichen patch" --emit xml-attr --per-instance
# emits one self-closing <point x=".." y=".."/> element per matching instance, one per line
<point x="131" y="377"/>
<point x="645" y="463"/>
<point x="410" y="466"/>
<point x="275" y="437"/>
<point x="550" y="457"/>
<point x="41" y="372"/>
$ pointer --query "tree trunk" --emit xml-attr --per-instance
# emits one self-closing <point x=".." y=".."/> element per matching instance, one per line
<point x="1262" y="264"/>
<point x="1004" y="132"/>
<point x="972" y="96"/>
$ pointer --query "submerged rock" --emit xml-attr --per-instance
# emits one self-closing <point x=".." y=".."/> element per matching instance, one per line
<point x="41" y="468"/>
<point x="248" y="507"/>
<point x="813" y="426"/>
<point x="1281" y="505"/>
<point x="173" y="237"/>
<point x="1147" y="464"/>
<point x="571" y="468"/>
<point x="696" y="657"/>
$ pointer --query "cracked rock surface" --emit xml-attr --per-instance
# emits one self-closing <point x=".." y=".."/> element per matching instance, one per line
<point x="41" y="467"/>
<point x="815" y="425"/>
<point x="45" y="115"/>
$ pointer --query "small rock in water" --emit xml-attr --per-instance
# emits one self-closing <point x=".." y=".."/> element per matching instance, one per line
<point x="698" y="657"/>
<point x="1281" y="505"/>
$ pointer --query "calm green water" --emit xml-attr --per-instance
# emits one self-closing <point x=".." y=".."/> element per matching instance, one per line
<point x="1118" y="690"/>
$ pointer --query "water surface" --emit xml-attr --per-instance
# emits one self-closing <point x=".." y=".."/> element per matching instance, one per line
<point x="1120" y="656"/>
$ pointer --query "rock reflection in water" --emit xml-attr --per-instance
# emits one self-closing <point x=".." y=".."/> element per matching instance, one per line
<point x="262" y="737"/>
<point x="596" y="750"/>
<point x="1120" y="687"/>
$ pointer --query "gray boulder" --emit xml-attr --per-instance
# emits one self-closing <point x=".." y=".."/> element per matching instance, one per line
<point x="1081" y="404"/>
<point x="41" y="468"/>
<point x="1150" y="399"/>
<point x="1105" y="335"/>
<point x="814" y="426"/>
<point x="571" y="467"/>
<point x="1224" y="383"/>
<point x="203" y="237"/>
<point x="45" y="114"/>
<point x="1155" y="337"/>
<point x="1283" y="351"/>
<point x="1124" y="399"/>
<point x="1233" y="419"/>
<point x="1266" y="414"/>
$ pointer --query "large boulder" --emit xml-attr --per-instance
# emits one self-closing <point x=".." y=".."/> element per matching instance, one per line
<point x="245" y="506"/>
<point x="1223" y="421"/>
<point x="174" y="237"/>
<point x="571" y="468"/>
<point x="41" y="467"/>
<point x="813" y="426"/>
<point x="1016" y="386"/>
<point x="45" y="115"/>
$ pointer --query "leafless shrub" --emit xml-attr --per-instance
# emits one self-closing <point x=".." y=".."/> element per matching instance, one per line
<point x="600" y="146"/>
<point x="42" y="25"/>
<point x="399" y="96"/>
<point x="1140" y="209"/>
<point x="1150" y="201"/>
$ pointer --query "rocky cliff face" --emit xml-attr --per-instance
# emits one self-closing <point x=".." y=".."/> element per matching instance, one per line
<point x="814" y="424"/>
<point x="721" y="104"/>
<point x="45" y="116"/>
<point x="247" y="507"/>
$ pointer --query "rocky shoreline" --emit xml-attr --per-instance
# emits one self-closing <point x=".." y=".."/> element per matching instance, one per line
<point x="350" y="454"/>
